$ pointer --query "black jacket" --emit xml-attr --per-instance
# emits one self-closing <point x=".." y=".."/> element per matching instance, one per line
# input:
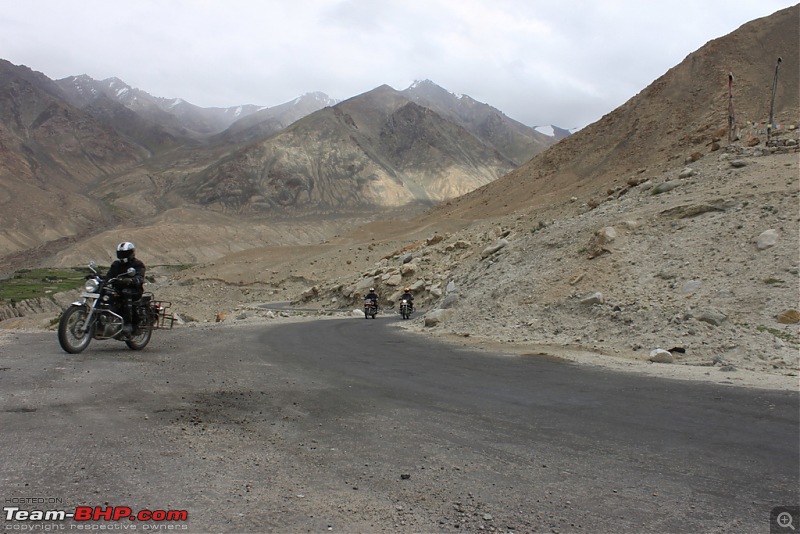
<point x="119" y="267"/>
<point x="407" y="296"/>
<point x="371" y="296"/>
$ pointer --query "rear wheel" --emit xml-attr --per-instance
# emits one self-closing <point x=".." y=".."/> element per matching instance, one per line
<point x="140" y="340"/>
<point x="73" y="336"/>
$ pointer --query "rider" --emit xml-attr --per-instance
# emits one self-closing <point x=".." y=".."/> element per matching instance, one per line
<point x="372" y="296"/>
<point x="131" y="287"/>
<point x="409" y="297"/>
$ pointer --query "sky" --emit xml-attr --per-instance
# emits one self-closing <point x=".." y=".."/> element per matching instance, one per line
<point x="540" y="62"/>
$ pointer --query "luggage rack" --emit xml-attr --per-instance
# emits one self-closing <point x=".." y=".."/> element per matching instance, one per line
<point x="166" y="319"/>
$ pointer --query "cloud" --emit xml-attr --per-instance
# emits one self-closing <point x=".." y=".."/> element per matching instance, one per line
<point x="540" y="62"/>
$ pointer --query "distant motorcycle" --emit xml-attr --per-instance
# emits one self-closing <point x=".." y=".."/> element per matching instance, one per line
<point x="370" y="308"/>
<point x="99" y="316"/>
<point x="405" y="308"/>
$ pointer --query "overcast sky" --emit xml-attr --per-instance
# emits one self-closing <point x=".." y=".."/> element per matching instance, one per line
<point x="539" y="61"/>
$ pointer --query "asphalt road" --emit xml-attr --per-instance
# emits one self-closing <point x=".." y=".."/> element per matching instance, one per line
<point x="351" y="425"/>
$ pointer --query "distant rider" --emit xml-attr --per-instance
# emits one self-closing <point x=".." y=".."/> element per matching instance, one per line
<point x="131" y="287"/>
<point x="409" y="297"/>
<point x="372" y="296"/>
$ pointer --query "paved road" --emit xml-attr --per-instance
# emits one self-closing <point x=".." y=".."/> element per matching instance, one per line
<point x="350" y="425"/>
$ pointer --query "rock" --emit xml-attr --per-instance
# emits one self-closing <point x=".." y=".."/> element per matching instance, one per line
<point x="450" y="288"/>
<point x="661" y="356"/>
<point x="406" y="258"/>
<point x="365" y="283"/>
<point x="606" y="235"/>
<point x="790" y="316"/>
<point x="600" y="240"/>
<point x="712" y="317"/>
<point x="435" y="238"/>
<point x="767" y="239"/>
<point x="408" y="268"/>
<point x="450" y="301"/>
<point x="691" y="287"/>
<point x="738" y="163"/>
<point x="418" y="285"/>
<point x="394" y="280"/>
<point x="592" y="299"/>
<point x="492" y="249"/>
<point x="663" y="188"/>
<point x="688" y="172"/>
<point x="437" y="316"/>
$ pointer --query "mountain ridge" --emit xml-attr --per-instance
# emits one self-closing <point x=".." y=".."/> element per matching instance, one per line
<point x="161" y="157"/>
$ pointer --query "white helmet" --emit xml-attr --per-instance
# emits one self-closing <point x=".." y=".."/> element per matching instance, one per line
<point x="125" y="251"/>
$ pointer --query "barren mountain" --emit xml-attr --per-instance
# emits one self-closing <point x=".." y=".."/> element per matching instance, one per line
<point x="140" y="160"/>
<point x="514" y="140"/>
<point x="268" y="121"/>
<point x="174" y="114"/>
<point x="376" y="149"/>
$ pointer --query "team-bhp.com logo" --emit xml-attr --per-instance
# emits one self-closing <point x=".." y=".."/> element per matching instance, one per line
<point x="95" y="513"/>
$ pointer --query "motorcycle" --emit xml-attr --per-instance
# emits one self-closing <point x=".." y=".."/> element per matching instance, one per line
<point x="99" y="316"/>
<point x="405" y="308"/>
<point x="370" y="308"/>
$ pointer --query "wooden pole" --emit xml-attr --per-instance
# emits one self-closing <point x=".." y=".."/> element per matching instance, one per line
<point x="772" y="104"/>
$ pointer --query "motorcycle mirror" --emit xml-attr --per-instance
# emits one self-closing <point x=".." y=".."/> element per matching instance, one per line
<point x="131" y="271"/>
<point x="91" y="266"/>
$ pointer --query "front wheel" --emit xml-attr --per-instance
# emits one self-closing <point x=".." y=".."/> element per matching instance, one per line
<point x="140" y="341"/>
<point x="73" y="335"/>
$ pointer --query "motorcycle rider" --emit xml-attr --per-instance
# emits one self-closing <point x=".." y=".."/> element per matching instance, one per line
<point x="131" y="287"/>
<point x="409" y="297"/>
<point x="372" y="296"/>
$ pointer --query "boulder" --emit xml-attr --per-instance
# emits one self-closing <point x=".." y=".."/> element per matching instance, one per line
<point x="664" y="187"/>
<point x="661" y="356"/>
<point x="712" y="317"/>
<point x="437" y="316"/>
<point x="450" y="301"/>
<point x="394" y="280"/>
<point x="592" y="298"/>
<point x="767" y="239"/>
<point x="494" y="248"/>
<point x="790" y="316"/>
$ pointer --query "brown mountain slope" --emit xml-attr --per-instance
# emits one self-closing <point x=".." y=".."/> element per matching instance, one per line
<point x="679" y="114"/>
<point x="374" y="150"/>
<point x="49" y="153"/>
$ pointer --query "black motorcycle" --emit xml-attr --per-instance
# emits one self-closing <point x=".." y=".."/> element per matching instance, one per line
<point x="405" y="308"/>
<point x="370" y="308"/>
<point x="99" y="316"/>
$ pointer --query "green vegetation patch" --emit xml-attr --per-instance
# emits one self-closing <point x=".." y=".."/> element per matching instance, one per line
<point x="34" y="283"/>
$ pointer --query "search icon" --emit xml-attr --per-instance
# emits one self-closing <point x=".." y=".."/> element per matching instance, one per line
<point x="785" y="520"/>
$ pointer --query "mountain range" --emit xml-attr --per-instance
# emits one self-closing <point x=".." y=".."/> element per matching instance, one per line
<point x="82" y="156"/>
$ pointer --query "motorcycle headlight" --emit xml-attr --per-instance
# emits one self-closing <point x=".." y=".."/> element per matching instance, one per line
<point x="91" y="285"/>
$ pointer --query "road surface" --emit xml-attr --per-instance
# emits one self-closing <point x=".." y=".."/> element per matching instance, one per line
<point x="352" y="425"/>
